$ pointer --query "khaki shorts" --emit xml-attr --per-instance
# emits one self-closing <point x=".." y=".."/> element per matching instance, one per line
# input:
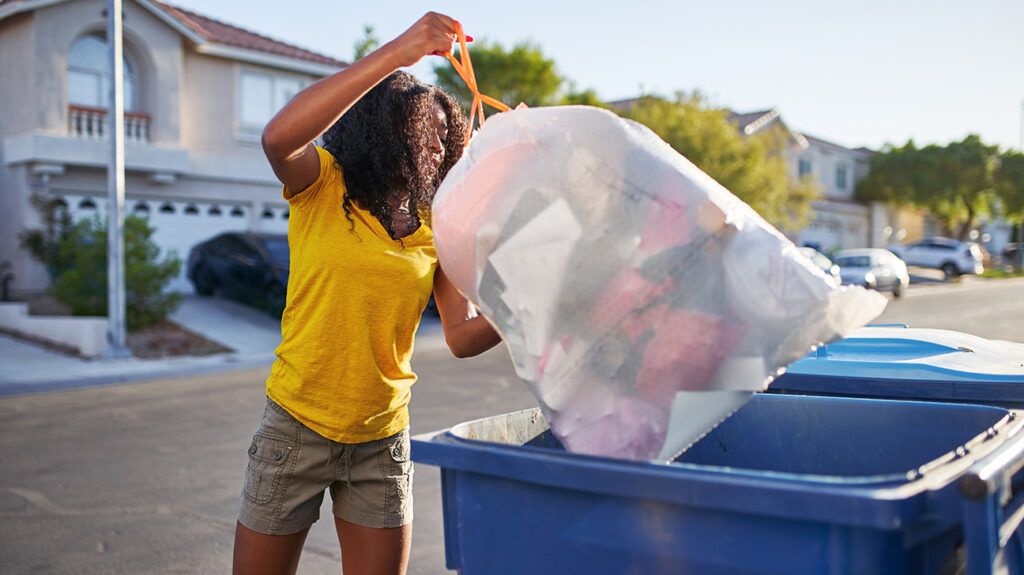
<point x="291" y="465"/>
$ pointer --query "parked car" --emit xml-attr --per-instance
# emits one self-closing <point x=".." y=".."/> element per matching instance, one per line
<point x="953" y="257"/>
<point x="245" y="266"/>
<point x="874" y="268"/>
<point x="822" y="262"/>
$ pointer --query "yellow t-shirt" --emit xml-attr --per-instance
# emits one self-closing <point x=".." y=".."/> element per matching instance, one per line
<point x="353" y="306"/>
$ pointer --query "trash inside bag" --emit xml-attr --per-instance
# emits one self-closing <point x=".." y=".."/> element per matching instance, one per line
<point x="640" y="300"/>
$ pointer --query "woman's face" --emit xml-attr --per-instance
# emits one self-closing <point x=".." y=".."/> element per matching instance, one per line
<point x="439" y="136"/>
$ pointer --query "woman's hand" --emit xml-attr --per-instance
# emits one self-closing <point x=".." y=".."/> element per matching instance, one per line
<point x="432" y="34"/>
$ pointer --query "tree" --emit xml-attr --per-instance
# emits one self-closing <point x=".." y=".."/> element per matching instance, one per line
<point x="587" y="97"/>
<point x="753" y="168"/>
<point x="954" y="182"/>
<point x="363" y="46"/>
<point x="521" y="74"/>
<point x="1009" y="181"/>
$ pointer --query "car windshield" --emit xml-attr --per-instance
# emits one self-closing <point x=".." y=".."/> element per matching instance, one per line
<point x="854" y="261"/>
<point x="277" y="249"/>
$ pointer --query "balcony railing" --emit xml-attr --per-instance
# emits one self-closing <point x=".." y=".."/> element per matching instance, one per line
<point x="91" y="124"/>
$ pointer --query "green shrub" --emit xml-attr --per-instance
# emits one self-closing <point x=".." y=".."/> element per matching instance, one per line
<point x="76" y="254"/>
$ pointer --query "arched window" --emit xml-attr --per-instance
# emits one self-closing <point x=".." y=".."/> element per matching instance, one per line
<point x="89" y="74"/>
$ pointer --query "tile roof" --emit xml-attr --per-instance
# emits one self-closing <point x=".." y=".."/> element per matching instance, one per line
<point x="742" y="120"/>
<point x="219" y="32"/>
<point x="230" y="35"/>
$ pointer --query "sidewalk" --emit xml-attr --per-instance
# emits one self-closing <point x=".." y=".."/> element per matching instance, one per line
<point x="253" y="335"/>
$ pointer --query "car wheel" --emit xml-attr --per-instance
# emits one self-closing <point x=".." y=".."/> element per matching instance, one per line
<point x="275" y="299"/>
<point x="203" y="281"/>
<point x="897" y="289"/>
<point x="950" y="270"/>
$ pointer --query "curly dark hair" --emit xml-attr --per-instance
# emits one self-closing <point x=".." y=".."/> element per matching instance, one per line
<point x="382" y="146"/>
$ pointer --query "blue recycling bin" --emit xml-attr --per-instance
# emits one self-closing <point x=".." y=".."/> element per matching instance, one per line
<point x="898" y="362"/>
<point x="788" y="485"/>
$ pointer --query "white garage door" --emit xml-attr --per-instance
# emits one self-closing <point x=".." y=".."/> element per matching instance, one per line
<point x="178" y="226"/>
<point x="821" y="234"/>
<point x="273" y="220"/>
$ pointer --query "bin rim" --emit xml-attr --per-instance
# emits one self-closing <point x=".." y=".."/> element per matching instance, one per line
<point x="886" y="501"/>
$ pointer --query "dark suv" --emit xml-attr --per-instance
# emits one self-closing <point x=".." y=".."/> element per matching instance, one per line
<point x="250" y="267"/>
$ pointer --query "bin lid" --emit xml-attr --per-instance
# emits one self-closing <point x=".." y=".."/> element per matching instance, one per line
<point x="911" y="363"/>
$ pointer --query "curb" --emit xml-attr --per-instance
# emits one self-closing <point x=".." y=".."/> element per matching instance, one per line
<point x="427" y="342"/>
<point x="228" y="364"/>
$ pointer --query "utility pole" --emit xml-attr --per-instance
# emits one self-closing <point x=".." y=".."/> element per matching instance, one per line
<point x="116" y="330"/>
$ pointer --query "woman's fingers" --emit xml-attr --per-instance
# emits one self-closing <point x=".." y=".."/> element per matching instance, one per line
<point x="449" y="23"/>
<point x="432" y="34"/>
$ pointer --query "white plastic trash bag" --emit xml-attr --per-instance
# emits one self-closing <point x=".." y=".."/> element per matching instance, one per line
<point x="640" y="300"/>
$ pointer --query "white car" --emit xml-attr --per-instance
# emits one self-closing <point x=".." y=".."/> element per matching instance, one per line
<point x="953" y="257"/>
<point x="874" y="268"/>
<point x="823" y="263"/>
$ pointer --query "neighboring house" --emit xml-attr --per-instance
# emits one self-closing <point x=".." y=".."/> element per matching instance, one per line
<point x="197" y="95"/>
<point x="838" y="221"/>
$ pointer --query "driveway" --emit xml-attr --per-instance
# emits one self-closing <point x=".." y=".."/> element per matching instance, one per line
<point x="248" y="331"/>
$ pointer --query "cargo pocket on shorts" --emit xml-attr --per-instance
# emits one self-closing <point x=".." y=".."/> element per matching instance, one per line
<point x="401" y="466"/>
<point x="267" y="456"/>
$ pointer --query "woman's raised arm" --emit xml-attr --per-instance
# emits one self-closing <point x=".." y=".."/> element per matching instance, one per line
<point x="287" y="138"/>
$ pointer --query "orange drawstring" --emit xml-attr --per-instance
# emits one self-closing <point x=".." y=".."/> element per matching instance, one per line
<point x="465" y="71"/>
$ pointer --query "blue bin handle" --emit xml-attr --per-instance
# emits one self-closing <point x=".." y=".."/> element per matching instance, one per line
<point x="992" y="511"/>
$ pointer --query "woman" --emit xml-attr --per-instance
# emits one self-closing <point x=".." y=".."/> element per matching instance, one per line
<point x="363" y="266"/>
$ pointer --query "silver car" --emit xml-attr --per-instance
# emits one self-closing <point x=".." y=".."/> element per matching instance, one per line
<point x="953" y="257"/>
<point x="873" y="268"/>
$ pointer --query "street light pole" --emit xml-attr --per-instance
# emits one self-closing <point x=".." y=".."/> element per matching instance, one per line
<point x="116" y="332"/>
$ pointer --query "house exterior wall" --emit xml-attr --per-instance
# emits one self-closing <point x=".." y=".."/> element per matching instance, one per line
<point x="838" y="221"/>
<point x="193" y="155"/>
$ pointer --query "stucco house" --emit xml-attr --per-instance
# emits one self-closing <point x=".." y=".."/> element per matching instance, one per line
<point x="197" y="95"/>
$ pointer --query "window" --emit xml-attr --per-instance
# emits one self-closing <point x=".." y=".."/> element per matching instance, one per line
<point x="260" y="97"/>
<point x="804" y="167"/>
<point x="89" y="75"/>
<point x="841" y="177"/>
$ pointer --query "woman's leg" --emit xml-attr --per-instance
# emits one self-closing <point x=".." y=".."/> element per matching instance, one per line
<point x="259" y="554"/>
<point x="369" y="551"/>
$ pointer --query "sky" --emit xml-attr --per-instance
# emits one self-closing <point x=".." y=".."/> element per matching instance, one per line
<point x="858" y="73"/>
